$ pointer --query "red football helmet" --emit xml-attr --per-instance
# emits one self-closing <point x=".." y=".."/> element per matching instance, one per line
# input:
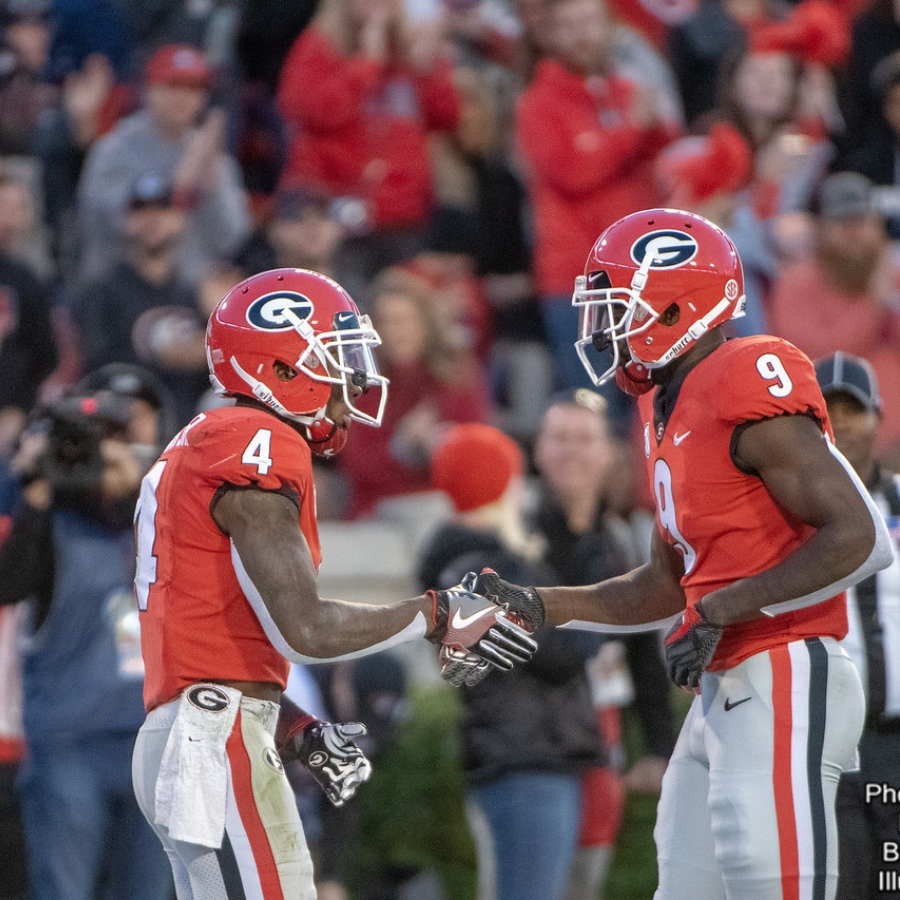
<point x="654" y="282"/>
<point x="303" y="319"/>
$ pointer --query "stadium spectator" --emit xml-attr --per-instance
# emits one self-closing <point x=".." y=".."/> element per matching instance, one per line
<point x="847" y="295"/>
<point x="28" y="352"/>
<point x="697" y="46"/>
<point x="88" y="104"/>
<point x="866" y="823"/>
<point x="875" y="35"/>
<point x="778" y="90"/>
<point x="527" y="737"/>
<point x="435" y="383"/>
<point x="143" y="311"/>
<point x="22" y="235"/>
<point x="876" y="158"/>
<point x="587" y="137"/>
<point x="24" y="95"/>
<point x="304" y="231"/>
<point x="361" y="91"/>
<point x="71" y="555"/>
<point x="591" y="532"/>
<point x="178" y="138"/>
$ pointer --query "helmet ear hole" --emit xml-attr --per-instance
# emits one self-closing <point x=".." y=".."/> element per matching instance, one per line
<point x="283" y="371"/>
<point x="670" y="315"/>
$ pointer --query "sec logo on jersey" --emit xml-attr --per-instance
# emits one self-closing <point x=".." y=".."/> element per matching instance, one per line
<point x="668" y="248"/>
<point x="268" y="312"/>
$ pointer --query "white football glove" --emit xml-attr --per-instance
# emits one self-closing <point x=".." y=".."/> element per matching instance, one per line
<point x="330" y="753"/>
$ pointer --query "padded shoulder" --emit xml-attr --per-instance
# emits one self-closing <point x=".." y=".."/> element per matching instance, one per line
<point x="762" y="377"/>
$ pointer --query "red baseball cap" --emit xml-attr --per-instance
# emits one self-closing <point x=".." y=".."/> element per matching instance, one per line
<point x="178" y="65"/>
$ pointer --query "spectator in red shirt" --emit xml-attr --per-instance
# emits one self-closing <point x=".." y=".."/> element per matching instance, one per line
<point x="846" y="296"/>
<point x="434" y="384"/>
<point x="361" y="89"/>
<point x="588" y="137"/>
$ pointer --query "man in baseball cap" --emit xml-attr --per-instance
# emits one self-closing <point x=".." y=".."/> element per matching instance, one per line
<point x="851" y="375"/>
<point x="178" y="65"/>
<point x="850" y="389"/>
<point x="868" y="822"/>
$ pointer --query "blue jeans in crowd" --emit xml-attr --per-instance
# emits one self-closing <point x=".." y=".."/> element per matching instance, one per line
<point x="83" y="826"/>
<point x="533" y="821"/>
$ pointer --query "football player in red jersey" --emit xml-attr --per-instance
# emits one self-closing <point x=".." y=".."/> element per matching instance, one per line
<point x="761" y="525"/>
<point x="228" y="551"/>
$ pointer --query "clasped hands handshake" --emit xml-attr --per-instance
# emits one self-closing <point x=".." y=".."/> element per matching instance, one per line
<point x="484" y="623"/>
<point x="480" y="624"/>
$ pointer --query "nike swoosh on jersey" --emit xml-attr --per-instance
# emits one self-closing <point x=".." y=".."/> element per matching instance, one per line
<point x="730" y="706"/>
<point x="460" y="621"/>
<point x="678" y="438"/>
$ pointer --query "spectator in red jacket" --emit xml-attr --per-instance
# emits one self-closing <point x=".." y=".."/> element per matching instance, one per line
<point x="588" y="137"/>
<point x="361" y="89"/>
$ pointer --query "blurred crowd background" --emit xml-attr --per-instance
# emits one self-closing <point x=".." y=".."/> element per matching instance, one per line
<point x="449" y="162"/>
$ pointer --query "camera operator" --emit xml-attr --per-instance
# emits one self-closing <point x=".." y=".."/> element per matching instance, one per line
<point x="71" y="553"/>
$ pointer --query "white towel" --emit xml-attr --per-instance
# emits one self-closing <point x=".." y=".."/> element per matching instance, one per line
<point x="192" y="787"/>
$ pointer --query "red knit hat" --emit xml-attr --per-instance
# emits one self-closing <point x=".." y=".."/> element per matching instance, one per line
<point x="178" y="65"/>
<point x="474" y="465"/>
<point x="719" y="161"/>
<point x="816" y="31"/>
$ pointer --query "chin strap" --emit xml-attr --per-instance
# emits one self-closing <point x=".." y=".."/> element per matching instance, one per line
<point x="325" y="438"/>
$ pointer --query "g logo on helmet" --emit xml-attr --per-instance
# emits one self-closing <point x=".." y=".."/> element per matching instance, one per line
<point x="668" y="248"/>
<point x="267" y="312"/>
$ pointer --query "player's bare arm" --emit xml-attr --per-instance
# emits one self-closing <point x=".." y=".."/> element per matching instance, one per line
<point x="264" y="529"/>
<point x="640" y="600"/>
<point x="793" y="459"/>
<point x="276" y="567"/>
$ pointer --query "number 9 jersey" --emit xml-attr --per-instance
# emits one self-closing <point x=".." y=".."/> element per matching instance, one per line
<point x="196" y="622"/>
<point x="722" y="519"/>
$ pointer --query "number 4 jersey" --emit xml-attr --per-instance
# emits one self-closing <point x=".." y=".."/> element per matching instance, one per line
<point x="196" y="622"/>
<point x="723" y="520"/>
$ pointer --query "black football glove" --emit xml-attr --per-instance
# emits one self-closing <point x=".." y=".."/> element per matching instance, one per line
<point x="476" y="636"/>
<point x="690" y="645"/>
<point x="525" y="602"/>
<point x="330" y="753"/>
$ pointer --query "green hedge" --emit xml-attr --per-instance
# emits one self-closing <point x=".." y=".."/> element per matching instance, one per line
<point x="413" y="816"/>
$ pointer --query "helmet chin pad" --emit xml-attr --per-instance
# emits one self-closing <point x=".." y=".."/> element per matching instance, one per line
<point x="633" y="379"/>
<point x="325" y="438"/>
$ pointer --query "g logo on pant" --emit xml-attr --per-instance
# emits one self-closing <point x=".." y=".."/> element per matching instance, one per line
<point x="208" y="698"/>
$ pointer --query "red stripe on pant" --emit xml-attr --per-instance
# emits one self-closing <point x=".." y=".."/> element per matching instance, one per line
<point x="781" y="772"/>
<point x="258" y="839"/>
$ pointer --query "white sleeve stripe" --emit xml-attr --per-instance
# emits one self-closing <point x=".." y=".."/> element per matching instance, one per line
<point x="582" y="625"/>
<point x="881" y="556"/>
<point x="415" y="629"/>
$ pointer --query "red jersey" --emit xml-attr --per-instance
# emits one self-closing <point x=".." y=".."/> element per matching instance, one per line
<point x="724" y="522"/>
<point x="196" y="622"/>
